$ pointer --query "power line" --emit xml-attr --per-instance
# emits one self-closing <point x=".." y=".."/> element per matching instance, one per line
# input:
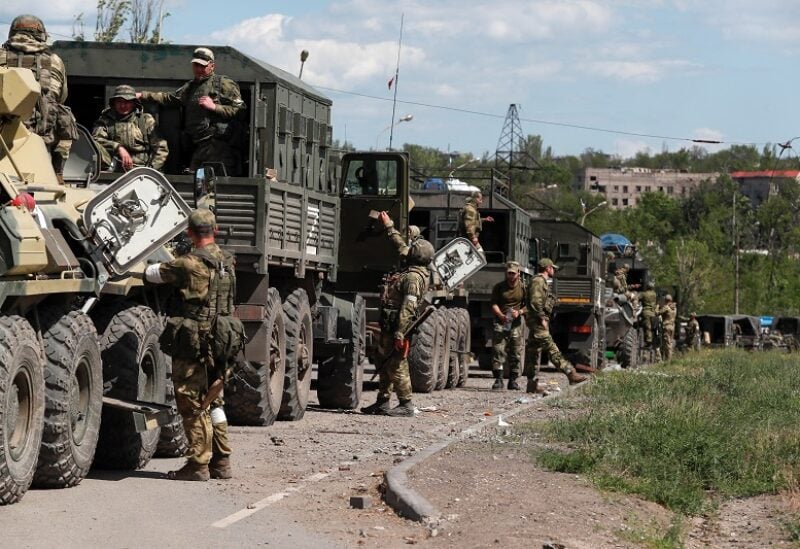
<point x="547" y="122"/>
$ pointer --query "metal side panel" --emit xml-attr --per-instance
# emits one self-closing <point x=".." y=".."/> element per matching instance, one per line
<point x="457" y="261"/>
<point x="134" y="217"/>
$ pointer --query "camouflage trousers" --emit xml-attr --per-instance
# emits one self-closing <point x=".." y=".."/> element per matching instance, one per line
<point x="205" y="440"/>
<point x="647" y="327"/>
<point x="216" y="151"/>
<point x="393" y="374"/>
<point x="507" y="346"/>
<point x="667" y="341"/>
<point x="540" y="340"/>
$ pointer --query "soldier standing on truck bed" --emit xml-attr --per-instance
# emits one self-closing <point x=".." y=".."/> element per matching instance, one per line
<point x="470" y="222"/>
<point x="399" y="304"/>
<point x="508" y="307"/>
<point x="211" y="103"/>
<point x="51" y="119"/>
<point x="649" y="301"/>
<point x="126" y="132"/>
<point x="668" y="312"/>
<point x="202" y="338"/>
<point x="539" y="308"/>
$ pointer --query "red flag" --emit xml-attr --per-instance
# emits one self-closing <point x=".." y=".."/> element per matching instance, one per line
<point x="391" y="81"/>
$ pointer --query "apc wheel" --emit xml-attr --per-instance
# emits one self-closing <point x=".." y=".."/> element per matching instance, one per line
<point x="22" y="404"/>
<point x="173" y="441"/>
<point x="423" y="360"/>
<point x="73" y="398"/>
<point x="134" y="368"/>
<point x="253" y="393"/>
<point x="299" y="356"/>
<point x="341" y="380"/>
<point x="453" y="319"/>
<point x="464" y="345"/>
<point x="444" y="351"/>
<point x="628" y="353"/>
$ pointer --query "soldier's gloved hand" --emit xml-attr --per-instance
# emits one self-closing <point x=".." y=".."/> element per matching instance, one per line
<point x="207" y="103"/>
<point x="125" y="157"/>
<point x="384" y="218"/>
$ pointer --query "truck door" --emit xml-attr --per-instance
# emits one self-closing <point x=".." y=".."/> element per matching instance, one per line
<point x="371" y="183"/>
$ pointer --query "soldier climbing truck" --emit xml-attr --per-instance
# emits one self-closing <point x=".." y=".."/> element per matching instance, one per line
<point x="309" y="257"/>
<point x="82" y="376"/>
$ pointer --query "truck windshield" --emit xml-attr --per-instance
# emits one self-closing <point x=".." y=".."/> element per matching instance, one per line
<point x="371" y="177"/>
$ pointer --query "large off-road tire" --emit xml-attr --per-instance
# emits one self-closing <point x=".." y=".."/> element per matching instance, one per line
<point x="299" y="356"/>
<point x="21" y="405"/>
<point x="628" y="352"/>
<point x="134" y="368"/>
<point x="464" y="344"/>
<point x="425" y="354"/>
<point x="172" y="442"/>
<point x="444" y="351"/>
<point x="253" y="392"/>
<point x="453" y="319"/>
<point x="73" y="398"/>
<point x="341" y="380"/>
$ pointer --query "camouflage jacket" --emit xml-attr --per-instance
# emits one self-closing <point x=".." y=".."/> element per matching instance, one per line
<point x="692" y="330"/>
<point x="22" y="50"/>
<point x="649" y="302"/>
<point x="540" y="299"/>
<point x="621" y="283"/>
<point x="668" y="313"/>
<point x="404" y="296"/>
<point x="136" y="132"/>
<point x="399" y="242"/>
<point x="470" y="224"/>
<point x="199" y="123"/>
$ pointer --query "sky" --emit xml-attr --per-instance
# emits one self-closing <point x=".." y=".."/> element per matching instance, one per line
<point x="619" y="76"/>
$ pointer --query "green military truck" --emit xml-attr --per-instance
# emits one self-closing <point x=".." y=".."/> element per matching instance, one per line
<point x="578" y="323"/>
<point x="309" y="257"/>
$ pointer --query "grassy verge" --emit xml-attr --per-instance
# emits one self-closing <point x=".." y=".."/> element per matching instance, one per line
<point x="706" y="427"/>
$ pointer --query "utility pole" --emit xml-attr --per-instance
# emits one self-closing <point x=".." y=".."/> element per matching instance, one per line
<point x="735" y="260"/>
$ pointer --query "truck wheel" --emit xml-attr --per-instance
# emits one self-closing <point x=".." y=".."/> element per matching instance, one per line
<point x="253" y="393"/>
<point x="22" y="408"/>
<point x="628" y="353"/>
<point x="173" y="441"/>
<point x="453" y="320"/>
<point x="73" y="398"/>
<point x="444" y="350"/>
<point x="299" y="356"/>
<point x="341" y="380"/>
<point x="423" y="360"/>
<point x="134" y="368"/>
<point x="464" y="345"/>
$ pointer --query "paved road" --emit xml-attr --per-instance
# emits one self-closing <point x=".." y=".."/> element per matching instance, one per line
<point x="292" y="486"/>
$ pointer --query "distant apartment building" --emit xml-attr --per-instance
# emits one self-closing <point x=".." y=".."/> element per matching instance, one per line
<point x="758" y="186"/>
<point x="623" y="187"/>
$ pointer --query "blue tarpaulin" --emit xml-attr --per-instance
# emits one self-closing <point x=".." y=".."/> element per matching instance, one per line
<point x="614" y="242"/>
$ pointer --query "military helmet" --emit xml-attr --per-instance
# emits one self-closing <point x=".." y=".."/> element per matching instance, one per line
<point x="413" y="232"/>
<point x="202" y="218"/>
<point x="28" y="24"/>
<point x="421" y="252"/>
<point x="123" y="92"/>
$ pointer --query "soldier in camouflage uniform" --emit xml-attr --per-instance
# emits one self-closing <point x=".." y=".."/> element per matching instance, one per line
<point x="649" y="302"/>
<point x="399" y="304"/>
<point x="51" y="119"/>
<point x="620" y="280"/>
<point x="211" y="104"/>
<point x="693" y="333"/>
<point x="668" y="313"/>
<point x="125" y="131"/>
<point x="508" y="307"/>
<point x="206" y="281"/>
<point x="470" y="222"/>
<point x="539" y="308"/>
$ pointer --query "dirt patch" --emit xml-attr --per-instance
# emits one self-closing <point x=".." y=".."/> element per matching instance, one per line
<point x="750" y="522"/>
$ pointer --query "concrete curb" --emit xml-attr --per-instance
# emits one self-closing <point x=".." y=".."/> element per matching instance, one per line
<point x="409" y="503"/>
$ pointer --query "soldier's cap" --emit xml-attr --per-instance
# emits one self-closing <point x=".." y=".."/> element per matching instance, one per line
<point x="692" y="315"/>
<point x="547" y="262"/>
<point x="202" y="56"/>
<point x="512" y="267"/>
<point x="651" y="284"/>
<point x="202" y="218"/>
<point x="626" y="267"/>
<point x="668" y="297"/>
<point x="124" y="92"/>
<point x="413" y="232"/>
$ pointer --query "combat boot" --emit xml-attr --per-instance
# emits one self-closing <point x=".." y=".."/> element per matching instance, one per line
<point x="404" y="409"/>
<point x="220" y="468"/>
<point x="191" y="471"/>
<point x="533" y="385"/>
<point x="379" y="408"/>
<point x="498" y="380"/>
<point x="574" y="377"/>
<point x="512" y="383"/>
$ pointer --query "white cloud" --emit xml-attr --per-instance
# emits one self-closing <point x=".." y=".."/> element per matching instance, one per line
<point x="627" y="148"/>
<point x="709" y="134"/>
<point x="640" y="71"/>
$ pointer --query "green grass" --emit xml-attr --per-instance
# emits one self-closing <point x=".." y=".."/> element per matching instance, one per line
<point x="704" y="428"/>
